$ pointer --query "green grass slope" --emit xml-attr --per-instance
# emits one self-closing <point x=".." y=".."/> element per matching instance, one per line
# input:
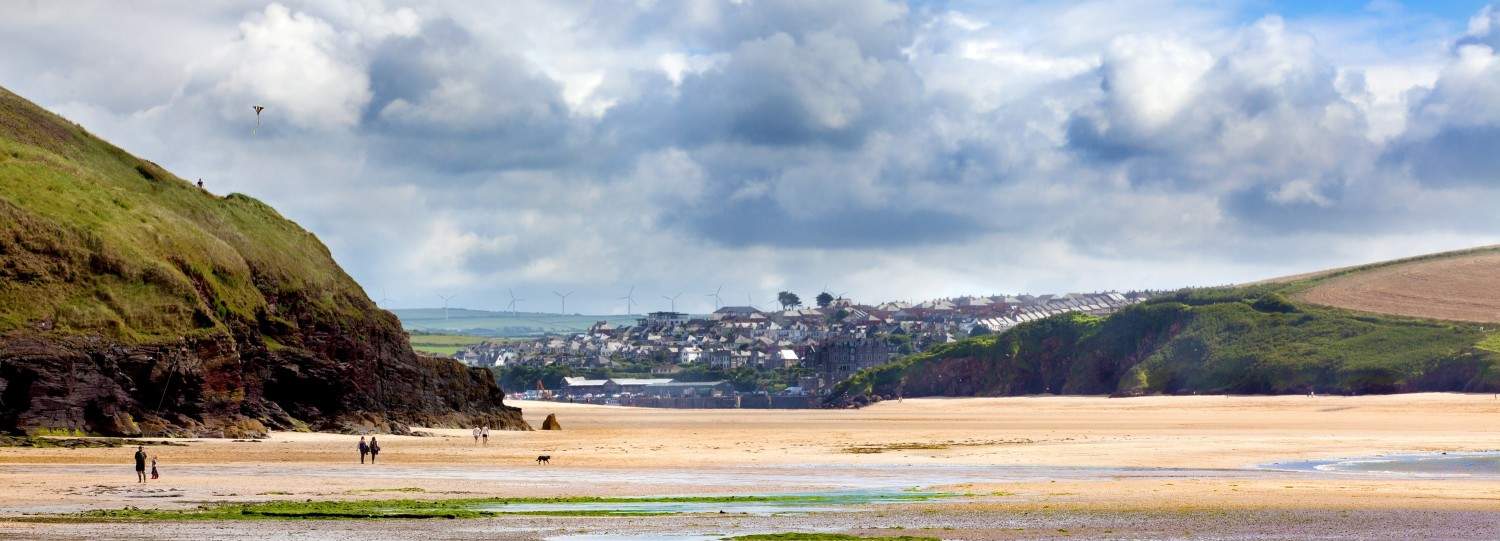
<point x="1248" y="339"/>
<point x="128" y="294"/>
<point x="98" y="241"/>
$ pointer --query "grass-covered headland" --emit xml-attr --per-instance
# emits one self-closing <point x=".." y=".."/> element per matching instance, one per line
<point x="1240" y="340"/>
<point x="135" y="302"/>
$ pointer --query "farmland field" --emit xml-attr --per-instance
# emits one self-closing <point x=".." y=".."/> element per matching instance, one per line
<point x="484" y="323"/>
<point x="443" y="344"/>
<point x="1456" y="287"/>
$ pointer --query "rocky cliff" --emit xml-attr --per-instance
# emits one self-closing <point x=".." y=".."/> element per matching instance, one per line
<point x="1238" y="340"/>
<point x="134" y="303"/>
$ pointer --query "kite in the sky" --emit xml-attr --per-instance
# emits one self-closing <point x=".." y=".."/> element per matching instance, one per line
<point x="258" y="109"/>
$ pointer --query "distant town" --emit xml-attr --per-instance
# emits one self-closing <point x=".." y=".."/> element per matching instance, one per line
<point x="741" y="356"/>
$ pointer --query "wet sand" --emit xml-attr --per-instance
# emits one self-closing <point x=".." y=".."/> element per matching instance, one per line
<point x="1136" y="466"/>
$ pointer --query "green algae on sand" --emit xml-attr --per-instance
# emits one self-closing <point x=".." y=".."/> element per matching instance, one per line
<point x="475" y="507"/>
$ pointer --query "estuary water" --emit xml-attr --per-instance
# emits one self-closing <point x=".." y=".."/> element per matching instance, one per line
<point x="1425" y="465"/>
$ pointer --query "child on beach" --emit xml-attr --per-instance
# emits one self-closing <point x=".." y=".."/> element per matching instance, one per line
<point x="154" y="474"/>
<point x="476" y="434"/>
<point x="485" y="433"/>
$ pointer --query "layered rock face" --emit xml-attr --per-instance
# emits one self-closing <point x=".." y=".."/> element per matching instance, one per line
<point x="134" y="303"/>
<point x="219" y="388"/>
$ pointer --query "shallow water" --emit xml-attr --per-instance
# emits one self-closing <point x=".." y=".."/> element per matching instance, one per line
<point x="635" y="537"/>
<point x="1425" y="465"/>
<point x="761" y="478"/>
<point x="793" y="504"/>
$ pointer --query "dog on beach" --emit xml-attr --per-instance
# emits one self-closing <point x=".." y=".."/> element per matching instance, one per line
<point x="544" y="459"/>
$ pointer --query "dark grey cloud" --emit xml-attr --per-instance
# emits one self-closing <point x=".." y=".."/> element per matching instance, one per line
<point x="837" y="230"/>
<point x="1454" y="156"/>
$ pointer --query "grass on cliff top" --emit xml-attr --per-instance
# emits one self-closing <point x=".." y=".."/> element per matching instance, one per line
<point x="1491" y="342"/>
<point x="94" y="240"/>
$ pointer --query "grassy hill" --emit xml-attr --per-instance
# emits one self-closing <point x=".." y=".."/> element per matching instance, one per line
<point x="500" y="324"/>
<point x="1259" y="338"/>
<point x="131" y="301"/>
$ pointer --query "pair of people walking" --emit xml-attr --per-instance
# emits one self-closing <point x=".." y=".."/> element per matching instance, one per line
<point x="482" y="432"/>
<point x="372" y="449"/>
<point x="140" y="465"/>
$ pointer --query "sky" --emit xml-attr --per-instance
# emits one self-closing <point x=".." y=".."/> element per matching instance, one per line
<point x="880" y="150"/>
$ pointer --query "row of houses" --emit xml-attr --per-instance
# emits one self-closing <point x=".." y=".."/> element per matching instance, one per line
<point x="831" y="342"/>
<point x="1095" y="304"/>
<point x="659" y="388"/>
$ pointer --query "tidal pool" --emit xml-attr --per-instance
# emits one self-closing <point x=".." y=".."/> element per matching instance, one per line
<point x="1460" y="465"/>
<point x="756" y="505"/>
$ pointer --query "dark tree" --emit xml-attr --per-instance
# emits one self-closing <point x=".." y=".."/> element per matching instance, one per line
<point x="788" y="300"/>
<point x="824" y="299"/>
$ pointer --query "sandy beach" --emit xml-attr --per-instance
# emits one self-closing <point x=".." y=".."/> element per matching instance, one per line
<point x="1101" y="464"/>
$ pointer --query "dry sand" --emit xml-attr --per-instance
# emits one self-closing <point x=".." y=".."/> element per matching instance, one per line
<point x="1082" y="455"/>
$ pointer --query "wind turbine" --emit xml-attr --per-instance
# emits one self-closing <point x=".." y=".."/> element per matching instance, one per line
<point x="629" y="299"/>
<point x="563" y="297"/>
<point x="513" y="301"/>
<point x="445" y="305"/>
<point x="383" y="298"/>
<point x="715" y="294"/>
<point x="673" y="300"/>
<point x="749" y="302"/>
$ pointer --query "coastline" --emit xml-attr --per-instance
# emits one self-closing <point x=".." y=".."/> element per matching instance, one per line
<point x="1090" y="459"/>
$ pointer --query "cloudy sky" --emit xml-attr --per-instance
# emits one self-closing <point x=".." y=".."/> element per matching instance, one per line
<point x="888" y="150"/>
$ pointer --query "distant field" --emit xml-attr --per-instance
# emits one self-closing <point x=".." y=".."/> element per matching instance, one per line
<point x="1463" y="286"/>
<point x="443" y="344"/>
<point x="485" y="323"/>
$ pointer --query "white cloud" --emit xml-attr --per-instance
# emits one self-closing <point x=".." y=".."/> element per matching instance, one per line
<point x="1150" y="79"/>
<point x="296" y="65"/>
<point x="891" y="151"/>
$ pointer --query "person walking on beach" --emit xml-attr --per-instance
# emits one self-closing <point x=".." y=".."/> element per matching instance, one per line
<point x="374" y="449"/>
<point x="476" y="434"/>
<point x="364" y="449"/>
<point x="140" y="463"/>
<point x="485" y="433"/>
<point x="154" y="474"/>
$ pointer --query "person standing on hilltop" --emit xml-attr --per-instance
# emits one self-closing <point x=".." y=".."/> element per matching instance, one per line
<point x="140" y="463"/>
<point x="374" y="449"/>
<point x="364" y="449"/>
